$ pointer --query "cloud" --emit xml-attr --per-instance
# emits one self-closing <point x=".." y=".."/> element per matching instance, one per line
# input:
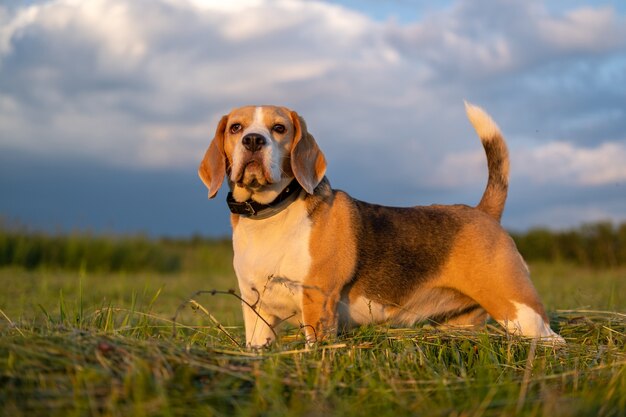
<point x="563" y="206"/>
<point x="558" y="163"/>
<point x="587" y="29"/>
<point x="141" y="84"/>
<point x="565" y="163"/>
<point x="478" y="39"/>
<point x="142" y="63"/>
<point x="127" y="68"/>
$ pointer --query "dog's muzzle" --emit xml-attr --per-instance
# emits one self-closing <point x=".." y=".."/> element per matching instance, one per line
<point x="253" y="167"/>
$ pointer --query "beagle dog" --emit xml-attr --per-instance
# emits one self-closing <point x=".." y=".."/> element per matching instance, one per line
<point x="316" y="257"/>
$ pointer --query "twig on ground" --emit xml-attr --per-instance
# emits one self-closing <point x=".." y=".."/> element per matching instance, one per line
<point x="191" y="300"/>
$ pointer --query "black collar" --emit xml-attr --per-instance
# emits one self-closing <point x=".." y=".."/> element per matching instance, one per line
<point x="258" y="211"/>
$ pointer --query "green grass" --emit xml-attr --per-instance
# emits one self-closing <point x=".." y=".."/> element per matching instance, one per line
<point x="80" y="344"/>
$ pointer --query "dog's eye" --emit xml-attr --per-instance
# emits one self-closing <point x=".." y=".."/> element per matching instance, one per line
<point x="278" y="128"/>
<point x="235" y="127"/>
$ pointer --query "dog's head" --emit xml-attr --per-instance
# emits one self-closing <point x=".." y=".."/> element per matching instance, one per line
<point x="260" y="148"/>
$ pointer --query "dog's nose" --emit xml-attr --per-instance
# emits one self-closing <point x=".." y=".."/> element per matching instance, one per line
<point x="253" y="141"/>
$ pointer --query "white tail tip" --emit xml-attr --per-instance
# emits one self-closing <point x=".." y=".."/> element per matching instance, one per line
<point x="485" y="127"/>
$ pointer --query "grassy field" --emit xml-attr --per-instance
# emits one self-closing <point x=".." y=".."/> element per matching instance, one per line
<point x="104" y="344"/>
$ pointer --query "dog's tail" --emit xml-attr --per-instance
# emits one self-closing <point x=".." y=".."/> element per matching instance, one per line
<point x="494" y="197"/>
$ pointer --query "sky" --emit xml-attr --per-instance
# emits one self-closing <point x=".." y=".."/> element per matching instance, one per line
<point x="107" y="106"/>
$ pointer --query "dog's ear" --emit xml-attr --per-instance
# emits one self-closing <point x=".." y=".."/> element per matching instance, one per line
<point x="307" y="160"/>
<point x="213" y="166"/>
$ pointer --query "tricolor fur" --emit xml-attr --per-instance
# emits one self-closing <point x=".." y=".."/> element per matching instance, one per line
<point x="328" y="261"/>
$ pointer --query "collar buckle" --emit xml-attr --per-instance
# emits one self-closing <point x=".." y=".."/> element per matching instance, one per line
<point x="249" y="208"/>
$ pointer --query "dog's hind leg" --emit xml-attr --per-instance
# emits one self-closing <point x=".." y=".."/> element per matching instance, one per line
<point x="493" y="274"/>
<point x="510" y="298"/>
<point x="471" y="317"/>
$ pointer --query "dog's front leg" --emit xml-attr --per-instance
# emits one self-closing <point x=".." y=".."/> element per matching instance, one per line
<point x="319" y="313"/>
<point x="259" y="326"/>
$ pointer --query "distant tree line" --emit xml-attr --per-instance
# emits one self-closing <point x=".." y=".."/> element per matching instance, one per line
<point x="593" y="245"/>
<point x="85" y="251"/>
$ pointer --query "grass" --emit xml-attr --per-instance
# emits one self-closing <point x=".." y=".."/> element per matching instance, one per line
<point x="86" y="344"/>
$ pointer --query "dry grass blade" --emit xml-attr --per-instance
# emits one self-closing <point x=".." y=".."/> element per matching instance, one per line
<point x="198" y="306"/>
<point x="526" y="378"/>
<point x="13" y="325"/>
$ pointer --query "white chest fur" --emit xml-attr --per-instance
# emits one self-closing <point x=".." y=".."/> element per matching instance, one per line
<point x="273" y="257"/>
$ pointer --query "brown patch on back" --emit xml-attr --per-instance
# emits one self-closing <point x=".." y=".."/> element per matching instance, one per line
<point x="400" y="249"/>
